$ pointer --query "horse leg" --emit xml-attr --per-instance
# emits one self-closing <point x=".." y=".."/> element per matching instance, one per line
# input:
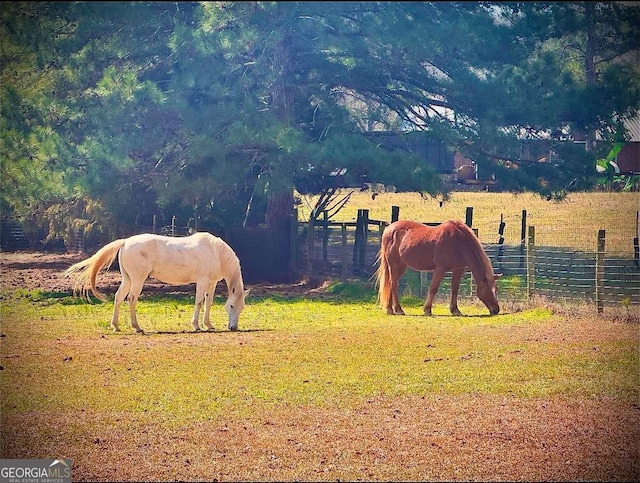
<point x="121" y="294"/>
<point x="134" y="293"/>
<point x="208" y="300"/>
<point x="200" y="294"/>
<point x="396" y="273"/>
<point x="438" y="274"/>
<point x="456" y="276"/>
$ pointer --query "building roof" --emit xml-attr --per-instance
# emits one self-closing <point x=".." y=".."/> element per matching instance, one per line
<point x="633" y="126"/>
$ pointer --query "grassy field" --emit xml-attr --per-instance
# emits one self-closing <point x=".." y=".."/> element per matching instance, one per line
<point x="319" y="387"/>
<point x="573" y="222"/>
<point x="323" y="385"/>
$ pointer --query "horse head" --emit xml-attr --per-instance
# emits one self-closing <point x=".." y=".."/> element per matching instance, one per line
<point x="487" y="291"/>
<point x="234" y="305"/>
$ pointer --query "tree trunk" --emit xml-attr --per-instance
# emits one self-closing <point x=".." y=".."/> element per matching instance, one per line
<point x="279" y="205"/>
<point x="278" y="219"/>
<point x="280" y="189"/>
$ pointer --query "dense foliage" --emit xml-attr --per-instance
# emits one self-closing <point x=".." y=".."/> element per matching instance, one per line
<point x="113" y="113"/>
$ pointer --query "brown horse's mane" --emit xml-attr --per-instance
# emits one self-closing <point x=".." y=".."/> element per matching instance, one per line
<point x="478" y="251"/>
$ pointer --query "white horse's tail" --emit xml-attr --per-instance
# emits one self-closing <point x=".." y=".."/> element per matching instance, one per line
<point x="84" y="273"/>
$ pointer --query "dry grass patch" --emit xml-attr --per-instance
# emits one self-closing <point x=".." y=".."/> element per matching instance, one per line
<point x="573" y="222"/>
<point x="465" y="437"/>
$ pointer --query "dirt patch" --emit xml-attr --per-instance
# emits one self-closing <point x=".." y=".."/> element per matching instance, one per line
<point x="486" y="438"/>
<point x="44" y="271"/>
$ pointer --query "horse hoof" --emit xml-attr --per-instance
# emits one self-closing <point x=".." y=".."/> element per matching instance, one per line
<point x="196" y="329"/>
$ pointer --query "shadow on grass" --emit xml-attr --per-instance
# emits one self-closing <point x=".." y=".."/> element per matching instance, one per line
<point x="337" y="294"/>
<point x="42" y="296"/>
<point x="197" y="332"/>
<point x="439" y="316"/>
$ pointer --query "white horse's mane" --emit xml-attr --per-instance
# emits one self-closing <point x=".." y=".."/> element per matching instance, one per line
<point x="230" y="262"/>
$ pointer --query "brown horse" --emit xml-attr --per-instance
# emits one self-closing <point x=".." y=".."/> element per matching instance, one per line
<point x="449" y="247"/>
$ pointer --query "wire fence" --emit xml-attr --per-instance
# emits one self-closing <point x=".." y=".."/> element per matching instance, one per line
<point x="604" y="275"/>
<point x="571" y="235"/>
<point x="529" y="269"/>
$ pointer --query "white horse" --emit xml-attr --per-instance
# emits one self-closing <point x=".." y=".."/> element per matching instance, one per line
<point x="202" y="258"/>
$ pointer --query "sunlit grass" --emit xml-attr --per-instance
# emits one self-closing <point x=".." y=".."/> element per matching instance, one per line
<point x="573" y="222"/>
<point x="59" y="356"/>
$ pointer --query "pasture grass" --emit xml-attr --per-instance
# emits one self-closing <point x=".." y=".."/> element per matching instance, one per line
<point x="335" y="350"/>
<point x="573" y="222"/>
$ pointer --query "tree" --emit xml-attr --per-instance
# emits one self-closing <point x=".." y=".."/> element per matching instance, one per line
<point x="275" y="72"/>
<point x="594" y="47"/>
<point x="455" y="81"/>
<point x="217" y="110"/>
<point x="73" y="82"/>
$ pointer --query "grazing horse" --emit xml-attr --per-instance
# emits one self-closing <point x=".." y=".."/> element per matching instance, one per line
<point x="449" y="247"/>
<point x="202" y="258"/>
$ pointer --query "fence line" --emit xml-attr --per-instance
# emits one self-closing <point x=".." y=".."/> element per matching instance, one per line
<point x="554" y="272"/>
<point x="349" y="249"/>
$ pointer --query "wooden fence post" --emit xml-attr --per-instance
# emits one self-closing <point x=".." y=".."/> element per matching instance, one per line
<point x="365" y="236"/>
<point x="310" y="248"/>
<point x="531" y="244"/>
<point x="600" y="272"/>
<point x="79" y="240"/>
<point x="343" y="233"/>
<point x="469" y="216"/>
<point x="395" y="213"/>
<point x="357" y="241"/>
<point x="325" y="235"/>
<point x="293" y="242"/>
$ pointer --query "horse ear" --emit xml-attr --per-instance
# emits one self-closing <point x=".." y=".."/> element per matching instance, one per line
<point x="246" y="292"/>
<point x="496" y="276"/>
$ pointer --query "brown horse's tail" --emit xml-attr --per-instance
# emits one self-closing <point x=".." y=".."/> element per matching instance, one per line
<point x="84" y="273"/>
<point x="383" y="277"/>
